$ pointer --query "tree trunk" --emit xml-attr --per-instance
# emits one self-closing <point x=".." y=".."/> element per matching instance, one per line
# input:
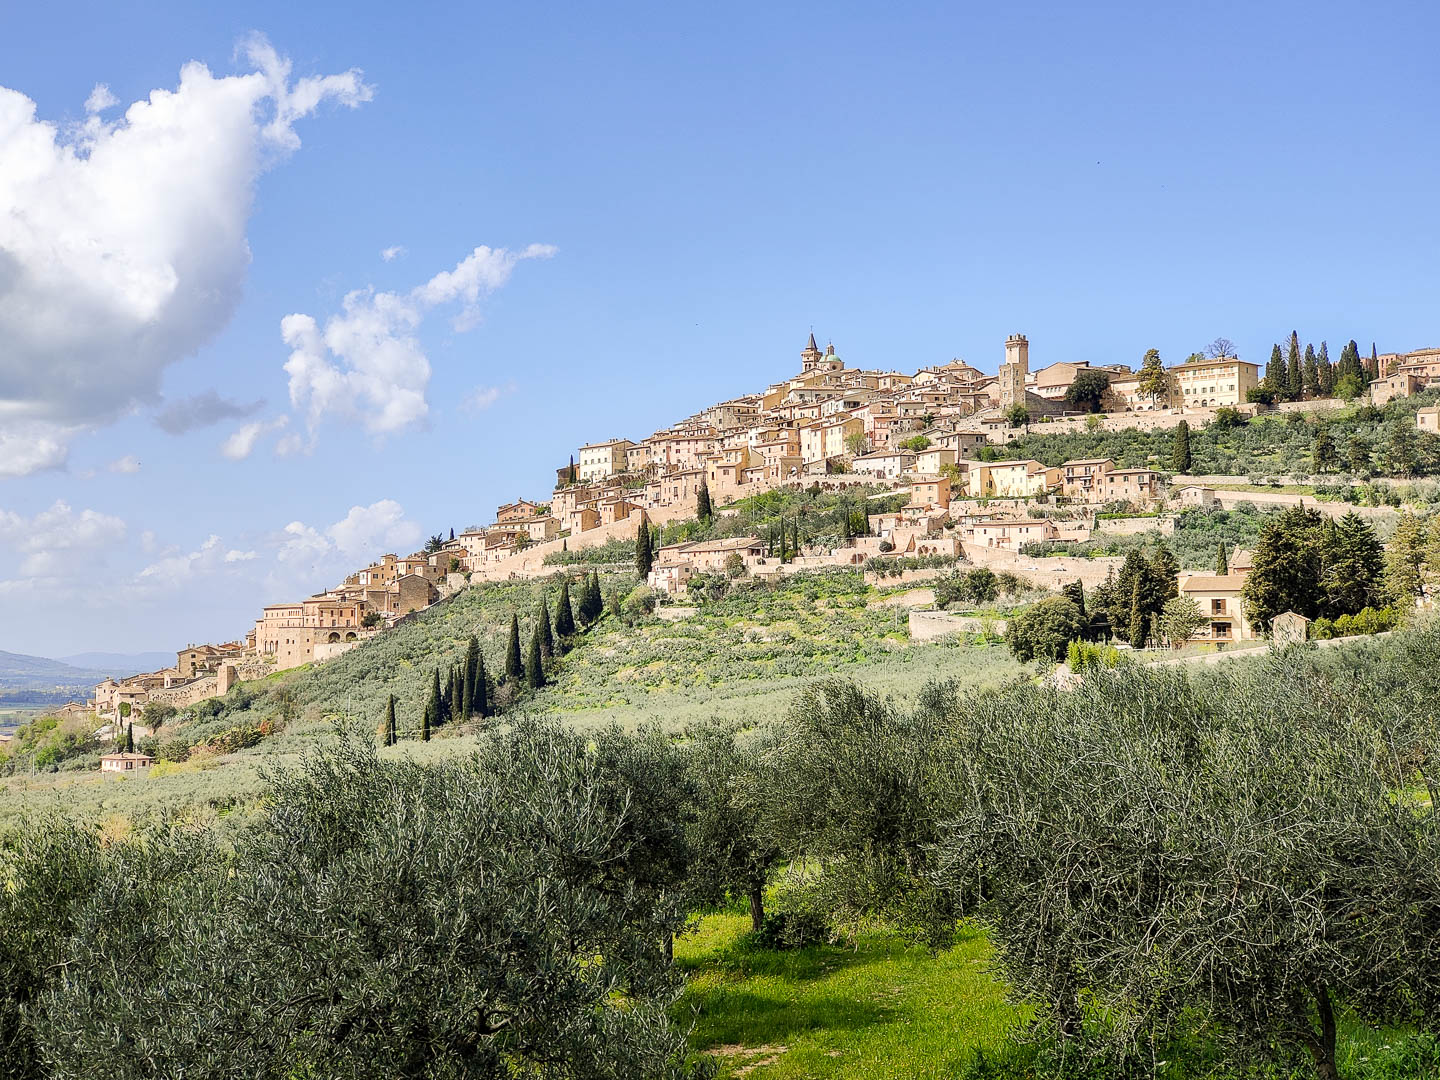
<point x="669" y="949"/>
<point x="757" y="907"/>
<point x="1322" y="1044"/>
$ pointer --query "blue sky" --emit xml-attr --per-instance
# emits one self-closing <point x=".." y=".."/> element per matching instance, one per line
<point x="913" y="181"/>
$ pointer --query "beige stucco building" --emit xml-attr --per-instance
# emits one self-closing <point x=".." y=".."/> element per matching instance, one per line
<point x="599" y="461"/>
<point x="1208" y="383"/>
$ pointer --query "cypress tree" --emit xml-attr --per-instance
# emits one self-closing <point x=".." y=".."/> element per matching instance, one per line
<point x="1374" y="363"/>
<point x="572" y="468"/>
<point x="130" y="737"/>
<point x="534" y="663"/>
<point x="514" y="669"/>
<point x="1326" y="370"/>
<point x="390" y="721"/>
<point x="436" y="699"/>
<point x="1222" y="559"/>
<point x="1275" y="370"/>
<point x="472" y="669"/>
<point x="481" y="701"/>
<point x="1137" y="618"/>
<point x="1310" y="373"/>
<point x="592" y="605"/>
<point x="1180" y="457"/>
<point x="703" y="509"/>
<point x="442" y="711"/>
<point x="542" y="628"/>
<point x="644" y="554"/>
<point x="564" y="615"/>
<point x="425" y="725"/>
<point x="1294" y="378"/>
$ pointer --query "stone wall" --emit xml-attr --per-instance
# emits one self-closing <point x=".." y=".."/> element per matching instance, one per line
<point x="929" y="625"/>
<point x="1050" y="573"/>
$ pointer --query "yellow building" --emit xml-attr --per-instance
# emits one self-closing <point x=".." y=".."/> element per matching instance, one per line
<point x="1207" y="383"/>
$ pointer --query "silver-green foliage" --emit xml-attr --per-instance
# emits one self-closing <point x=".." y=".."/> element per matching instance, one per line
<point x="492" y="918"/>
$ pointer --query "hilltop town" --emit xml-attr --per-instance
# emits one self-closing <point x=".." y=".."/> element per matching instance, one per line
<point x="936" y="436"/>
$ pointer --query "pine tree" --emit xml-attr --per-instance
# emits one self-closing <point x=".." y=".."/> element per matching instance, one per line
<point x="472" y="670"/>
<point x="564" y="615"/>
<point x="1310" y="373"/>
<point x="514" y="669"/>
<point x="542" y="629"/>
<point x="390" y="721"/>
<point x="1180" y="457"/>
<point x="534" y="662"/>
<point x="481" y="700"/>
<point x="1222" y="559"/>
<point x="703" y="509"/>
<point x="644" y="554"/>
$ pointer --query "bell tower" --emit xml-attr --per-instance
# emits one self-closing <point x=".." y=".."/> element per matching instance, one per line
<point x="810" y="356"/>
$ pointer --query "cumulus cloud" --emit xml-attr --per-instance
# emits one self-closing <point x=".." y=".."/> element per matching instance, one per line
<point x="178" y="568"/>
<point x="390" y="254"/>
<point x="127" y="465"/>
<point x="45" y="540"/>
<point x="366" y="362"/>
<point x="123" y="247"/>
<point x="202" y="410"/>
<point x="100" y="99"/>
<point x="242" y="440"/>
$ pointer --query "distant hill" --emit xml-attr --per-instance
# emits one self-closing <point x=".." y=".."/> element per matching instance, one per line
<point x="46" y="681"/>
<point x="120" y="665"/>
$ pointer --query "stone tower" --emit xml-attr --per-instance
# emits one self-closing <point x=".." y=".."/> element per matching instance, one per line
<point x="810" y="356"/>
<point x="1014" y="371"/>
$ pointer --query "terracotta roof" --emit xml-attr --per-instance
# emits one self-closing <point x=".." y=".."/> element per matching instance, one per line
<point x="1212" y="583"/>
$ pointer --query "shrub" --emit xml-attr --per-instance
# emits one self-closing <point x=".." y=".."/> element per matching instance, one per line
<point x="786" y="929"/>
<point x="1044" y="630"/>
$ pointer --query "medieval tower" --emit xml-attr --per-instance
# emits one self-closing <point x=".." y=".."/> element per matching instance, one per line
<point x="1014" y="371"/>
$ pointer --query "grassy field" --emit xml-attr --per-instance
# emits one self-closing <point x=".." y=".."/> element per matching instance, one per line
<point x="874" y="1009"/>
<point x="742" y="657"/>
<point x="877" y="1008"/>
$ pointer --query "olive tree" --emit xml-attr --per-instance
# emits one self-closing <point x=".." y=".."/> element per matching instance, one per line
<point x="482" y="919"/>
<point x="1155" y="849"/>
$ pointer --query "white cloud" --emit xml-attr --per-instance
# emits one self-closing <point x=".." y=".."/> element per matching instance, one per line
<point x="373" y="530"/>
<point x="202" y="410"/>
<point x="242" y="440"/>
<point x="175" y="569"/>
<point x="27" y="446"/>
<point x="234" y="556"/>
<point x="48" y="541"/>
<point x="100" y="99"/>
<point x="390" y="254"/>
<point x="481" y="398"/>
<point x="367" y="361"/>
<point x="123" y="247"/>
<point x="127" y="465"/>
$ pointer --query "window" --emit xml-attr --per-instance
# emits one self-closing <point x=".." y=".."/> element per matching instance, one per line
<point x="1217" y="607"/>
<point x="1222" y="629"/>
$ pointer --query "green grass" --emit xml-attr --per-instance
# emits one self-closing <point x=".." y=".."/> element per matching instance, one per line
<point x="875" y="1009"/>
<point x="878" y="1008"/>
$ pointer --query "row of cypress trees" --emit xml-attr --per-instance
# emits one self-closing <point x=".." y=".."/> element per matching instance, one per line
<point x="465" y="691"/>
